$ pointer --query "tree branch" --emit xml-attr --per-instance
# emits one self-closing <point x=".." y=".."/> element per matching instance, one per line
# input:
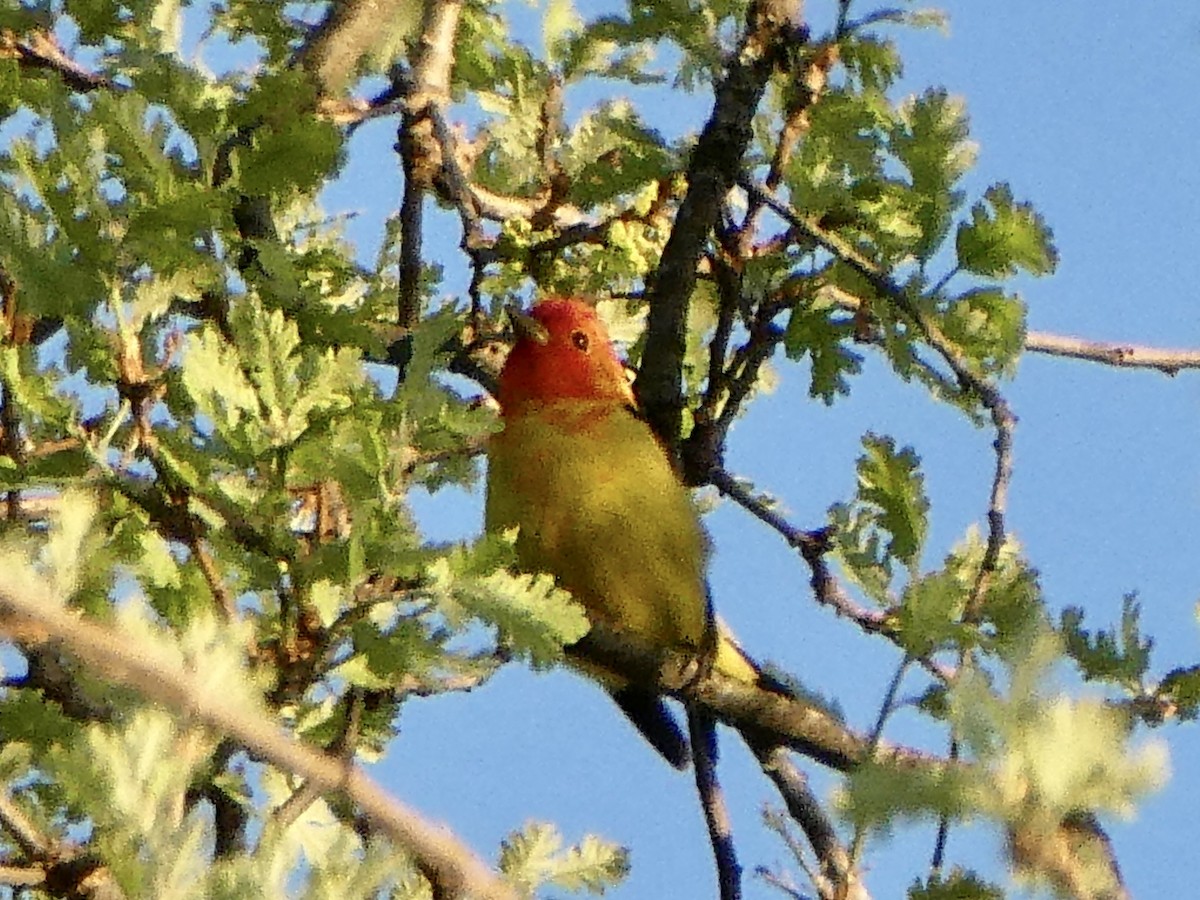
<point x="39" y="49"/>
<point x="768" y="717"/>
<point x="769" y="720"/>
<point x="703" y="735"/>
<point x="711" y="173"/>
<point x="420" y="152"/>
<point x="813" y="546"/>
<point x="837" y="877"/>
<point x="969" y="380"/>
<point x="65" y="871"/>
<point x="158" y="676"/>
<point x="1110" y="353"/>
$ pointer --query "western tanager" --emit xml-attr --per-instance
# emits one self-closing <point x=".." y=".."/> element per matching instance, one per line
<point x="598" y="505"/>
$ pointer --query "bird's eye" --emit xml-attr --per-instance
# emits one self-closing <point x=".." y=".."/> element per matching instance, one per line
<point x="580" y="340"/>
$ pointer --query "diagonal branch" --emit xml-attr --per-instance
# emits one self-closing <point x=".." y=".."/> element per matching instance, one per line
<point x="39" y="49"/>
<point x="1003" y="419"/>
<point x="838" y="877"/>
<point x="711" y="173"/>
<point x="813" y="546"/>
<point x="769" y="720"/>
<point x="158" y="676"/>
<point x="63" y="869"/>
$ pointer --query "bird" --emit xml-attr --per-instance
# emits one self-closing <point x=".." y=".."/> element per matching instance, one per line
<point x="598" y="505"/>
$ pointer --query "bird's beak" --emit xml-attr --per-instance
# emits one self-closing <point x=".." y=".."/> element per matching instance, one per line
<point x="527" y="327"/>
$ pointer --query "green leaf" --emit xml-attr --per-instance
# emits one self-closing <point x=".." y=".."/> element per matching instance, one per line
<point x="535" y="856"/>
<point x="1120" y="656"/>
<point x="874" y="62"/>
<point x="1004" y="237"/>
<point x="878" y="793"/>
<point x="213" y="377"/>
<point x="930" y="615"/>
<point x="890" y="482"/>
<point x="529" y="612"/>
<point x="957" y="884"/>
<point x="844" y="147"/>
<point x="1181" y="687"/>
<point x="814" y="332"/>
<point x="611" y="152"/>
<point x="989" y="326"/>
<point x="930" y="140"/>
<point x="560" y="22"/>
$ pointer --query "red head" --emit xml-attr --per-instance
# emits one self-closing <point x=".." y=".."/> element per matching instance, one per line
<point x="562" y="352"/>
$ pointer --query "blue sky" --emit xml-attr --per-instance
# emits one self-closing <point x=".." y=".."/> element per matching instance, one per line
<point x="1090" y="112"/>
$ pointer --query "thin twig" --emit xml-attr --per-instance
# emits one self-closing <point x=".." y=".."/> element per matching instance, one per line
<point x="73" y="873"/>
<point x="344" y="746"/>
<point x="937" y="860"/>
<point x="885" y="710"/>
<point x="1110" y="353"/>
<point x="837" y="877"/>
<point x="703" y="735"/>
<point x="40" y="49"/>
<point x="21" y="829"/>
<point x="212" y="576"/>
<point x="813" y="547"/>
<point x="968" y="378"/>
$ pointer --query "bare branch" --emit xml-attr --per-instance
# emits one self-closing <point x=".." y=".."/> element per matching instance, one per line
<point x="65" y="870"/>
<point x="767" y="717"/>
<point x="1109" y="353"/>
<point x="154" y="673"/>
<point x="813" y="546"/>
<point x="703" y="736"/>
<point x="1076" y="856"/>
<point x="420" y="153"/>
<point x="24" y="833"/>
<point x="22" y="876"/>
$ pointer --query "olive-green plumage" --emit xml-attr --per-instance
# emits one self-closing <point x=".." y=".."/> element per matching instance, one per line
<point x="598" y="504"/>
<point x="599" y="507"/>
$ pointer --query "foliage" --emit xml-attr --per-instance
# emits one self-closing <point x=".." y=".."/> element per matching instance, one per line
<point x="215" y="418"/>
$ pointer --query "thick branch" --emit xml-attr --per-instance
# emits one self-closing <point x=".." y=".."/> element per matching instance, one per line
<point x="769" y="720"/>
<point x="766" y="716"/>
<point x="421" y="153"/>
<point x="712" y="172"/>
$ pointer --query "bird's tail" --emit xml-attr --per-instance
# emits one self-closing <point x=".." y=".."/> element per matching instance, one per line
<point x="652" y="717"/>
